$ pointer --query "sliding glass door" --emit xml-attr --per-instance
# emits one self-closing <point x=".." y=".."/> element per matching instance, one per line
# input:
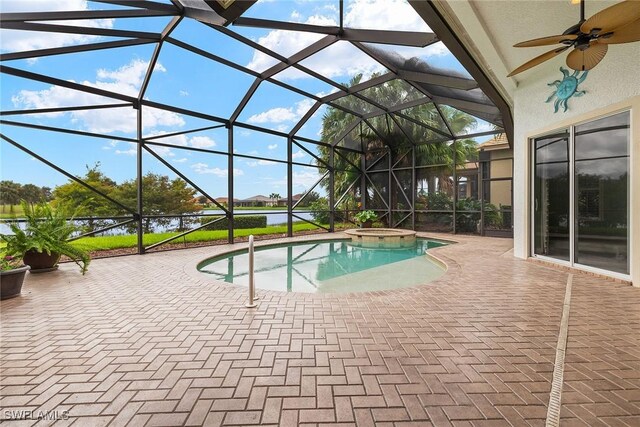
<point x="581" y="194"/>
<point x="551" y="196"/>
<point x="602" y="193"/>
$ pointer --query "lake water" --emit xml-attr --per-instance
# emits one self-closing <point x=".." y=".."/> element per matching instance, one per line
<point x="274" y="216"/>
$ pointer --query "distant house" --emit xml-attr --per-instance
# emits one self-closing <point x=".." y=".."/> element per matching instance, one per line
<point x="494" y="157"/>
<point x="260" y="201"/>
<point x="257" y="201"/>
<point x="283" y="201"/>
<point x="497" y="158"/>
<point x="224" y="201"/>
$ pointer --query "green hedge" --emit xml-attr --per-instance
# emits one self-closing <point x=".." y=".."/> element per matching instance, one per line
<point x="239" y="222"/>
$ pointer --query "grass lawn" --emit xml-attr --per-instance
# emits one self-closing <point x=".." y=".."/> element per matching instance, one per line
<point x="101" y="243"/>
<point x="7" y="213"/>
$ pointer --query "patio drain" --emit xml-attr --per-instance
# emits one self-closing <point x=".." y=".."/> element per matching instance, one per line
<point x="555" y="397"/>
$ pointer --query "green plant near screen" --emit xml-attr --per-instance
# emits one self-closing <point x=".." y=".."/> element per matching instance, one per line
<point x="364" y="216"/>
<point x="46" y="230"/>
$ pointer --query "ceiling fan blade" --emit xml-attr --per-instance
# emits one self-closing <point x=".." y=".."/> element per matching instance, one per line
<point x="627" y="34"/>
<point x="545" y="41"/>
<point x="612" y="17"/>
<point x="538" y="60"/>
<point x="582" y="60"/>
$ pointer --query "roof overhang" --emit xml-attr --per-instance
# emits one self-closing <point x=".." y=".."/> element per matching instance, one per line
<point x="435" y="20"/>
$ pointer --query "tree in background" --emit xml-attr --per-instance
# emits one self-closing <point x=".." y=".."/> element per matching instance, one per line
<point x="9" y="194"/>
<point x="31" y="194"/>
<point x="160" y="196"/>
<point x="274" y="198"/>
<point x="308" y="198"/>
<point x="75" y="197"/>
<point x="387" y="136"/>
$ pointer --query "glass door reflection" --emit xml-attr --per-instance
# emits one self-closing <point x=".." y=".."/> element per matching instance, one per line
<point x="602" y="193"/>
<point x="551" y="202"/>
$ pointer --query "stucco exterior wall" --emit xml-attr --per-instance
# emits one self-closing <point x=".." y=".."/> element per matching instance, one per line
<point x="489" y="29"/>
<point x="613" y="85"/>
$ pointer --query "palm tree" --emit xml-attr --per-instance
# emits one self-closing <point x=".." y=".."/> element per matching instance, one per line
<point x="388" y="137"/>
<point x="274" y="198"/>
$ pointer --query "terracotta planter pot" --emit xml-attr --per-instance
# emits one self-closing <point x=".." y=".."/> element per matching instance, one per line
<point x="366" y="224"/>
<point x="41" y="262"/>
<point x="11" y="282"/>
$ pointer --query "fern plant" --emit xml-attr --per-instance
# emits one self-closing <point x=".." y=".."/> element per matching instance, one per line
<point x="46" y="230"/>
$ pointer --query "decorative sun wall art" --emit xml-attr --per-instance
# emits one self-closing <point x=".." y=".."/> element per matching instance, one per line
<point x="566" y="88"/>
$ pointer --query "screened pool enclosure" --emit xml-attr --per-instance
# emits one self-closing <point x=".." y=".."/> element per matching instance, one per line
<point x="323" y="108"/>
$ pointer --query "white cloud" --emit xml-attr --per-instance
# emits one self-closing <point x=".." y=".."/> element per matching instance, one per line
<point x="298" y="154"/>
<point x="261" y="163"/>
<point x="179" y="140"/>
<point x="112" y="144"/>
<point x="272" y="146"/>
<point x="131" y="151"/>
<point x="283" y="43"/>
<point x="302" y="181"/>
<point x="163" y="151"/>
<point x="275" y="115"/>
<point x="203" y="168"/>
<point x="124" y="80"/>
<point x="17" y="41"/>
<point x="480" y="126"/>
<point x="182" y="160"/>
<point x="183" y="93"/>
<point x="128" y="78"/>
<point x="201" y="142"/>
<point x="396" y="15"/>
<point x="280" y="115"/>
<point x="343" y="59"/>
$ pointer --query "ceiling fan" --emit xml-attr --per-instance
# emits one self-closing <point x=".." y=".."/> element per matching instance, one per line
<point x="590" y="38"/>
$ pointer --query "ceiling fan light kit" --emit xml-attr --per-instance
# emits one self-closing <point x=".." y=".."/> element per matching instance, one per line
<point x="589" y="38"/>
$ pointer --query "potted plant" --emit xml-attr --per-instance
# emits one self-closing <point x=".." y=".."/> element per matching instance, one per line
<point x="12" y="273"/>
<point x="365" y="218"/>
<point x="43" y="239"/>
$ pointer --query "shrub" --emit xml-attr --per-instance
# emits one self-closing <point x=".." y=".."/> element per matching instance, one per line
<point x="239" y="222"/>
<point x="364" y="216"/>
<point x="468" y="215"/>
<point x="320" y="210"/>
<point x="438" y="201"/>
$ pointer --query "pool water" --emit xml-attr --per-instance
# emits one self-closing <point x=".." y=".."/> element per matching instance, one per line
<point x="328" y="266"/>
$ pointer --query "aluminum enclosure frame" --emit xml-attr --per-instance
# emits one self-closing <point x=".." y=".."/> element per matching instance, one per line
<point x="435" y="87"/>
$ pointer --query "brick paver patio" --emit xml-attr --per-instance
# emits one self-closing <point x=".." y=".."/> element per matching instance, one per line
<point x="147" y="341"/>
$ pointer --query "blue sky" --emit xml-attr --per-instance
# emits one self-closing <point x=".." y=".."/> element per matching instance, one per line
<point x="189" y="81"/>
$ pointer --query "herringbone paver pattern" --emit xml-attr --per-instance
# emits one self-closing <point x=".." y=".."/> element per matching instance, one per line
<point x="147" y="341"/>
<point x="602" y="369"/>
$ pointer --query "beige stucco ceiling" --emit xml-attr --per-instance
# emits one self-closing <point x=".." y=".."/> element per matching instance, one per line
<point x="490" y="28"/>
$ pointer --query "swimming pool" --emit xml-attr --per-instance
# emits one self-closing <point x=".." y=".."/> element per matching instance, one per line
<point x="328" y="266"/>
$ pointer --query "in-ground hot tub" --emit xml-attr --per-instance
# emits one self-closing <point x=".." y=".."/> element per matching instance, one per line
<point x="382" y="237"/>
